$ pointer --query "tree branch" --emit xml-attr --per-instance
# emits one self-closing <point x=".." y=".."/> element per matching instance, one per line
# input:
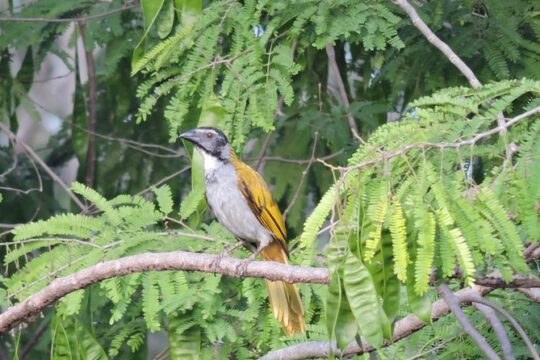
<point x="156" y="262"/>
<point x="438" y="43"/>
<point x="392" y="154"/>
<point x="403" y="328"/>
<point x="454" y="59"/>
<point x="454" y="304"/>
<point x="499" y="330"/>
<point x="507" y="316"/>
<point x="180" y="260"/>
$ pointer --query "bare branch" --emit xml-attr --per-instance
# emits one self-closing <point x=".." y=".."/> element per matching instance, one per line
<point x="454" y="304"/>
<point x="403" y="328"/>
<point x="532" y="293"/>
<point x="156" y="262"/>
<point x="438" y="43"/>
<point x="454" y="59"/>
<point x="529" y="281"/>
<point x="507" y="316"/>
<point x="180" y="260"/>
<point x="499" y="330"/>
<point x="42" y="163"/>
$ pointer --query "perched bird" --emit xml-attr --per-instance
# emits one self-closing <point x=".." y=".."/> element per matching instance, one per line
<point x="241" y="201"/>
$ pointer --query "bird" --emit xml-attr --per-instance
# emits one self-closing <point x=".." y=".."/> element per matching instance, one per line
<point x="242" y="202"/>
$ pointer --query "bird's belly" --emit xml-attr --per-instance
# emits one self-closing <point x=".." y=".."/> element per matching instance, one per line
<point x="232" y="211"/>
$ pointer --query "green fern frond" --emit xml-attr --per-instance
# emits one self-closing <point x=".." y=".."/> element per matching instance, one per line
<point x="98" y="200"/>
<point x="378" y="206"/>
<point x="399" y="240"/>
<point x="164" y="199"/>
<point x="315" y="221"/>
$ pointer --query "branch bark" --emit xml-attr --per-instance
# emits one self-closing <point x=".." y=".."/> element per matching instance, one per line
<point x="438" y="43"/>
<point x="180" y="260"/>
<point x="499" y="330"/>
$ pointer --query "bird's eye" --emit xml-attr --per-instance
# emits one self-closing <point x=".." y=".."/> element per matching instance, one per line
<point x="209" y="135"/>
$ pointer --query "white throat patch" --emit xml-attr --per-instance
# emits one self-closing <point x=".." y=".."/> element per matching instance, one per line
<point x="211" y="163"/>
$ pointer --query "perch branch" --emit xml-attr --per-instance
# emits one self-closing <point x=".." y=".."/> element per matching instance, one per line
<point x="155" y="262"/>
<point x="180" y="260"/>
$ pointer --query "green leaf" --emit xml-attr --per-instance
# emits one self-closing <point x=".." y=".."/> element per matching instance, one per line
<point x="164" y="199"/>
<point x="340" y="320"/>
<point x="150" y="9"/>
<point x="363" y="300"/>
<point x="165" y="19"/>
<point x="184" y="343"/>
<point x="420" y="304"/>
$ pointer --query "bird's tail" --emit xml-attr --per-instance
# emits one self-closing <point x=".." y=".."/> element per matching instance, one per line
<point x="284" y="297"/>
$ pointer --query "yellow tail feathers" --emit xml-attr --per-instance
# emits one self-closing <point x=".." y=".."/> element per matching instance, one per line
<point x="284" y="298"/>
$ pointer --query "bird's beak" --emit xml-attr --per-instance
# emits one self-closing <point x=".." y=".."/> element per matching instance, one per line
<point x="191" y="136"/>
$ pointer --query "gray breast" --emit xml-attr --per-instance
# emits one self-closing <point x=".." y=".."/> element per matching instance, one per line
<point x="231" y="208"/>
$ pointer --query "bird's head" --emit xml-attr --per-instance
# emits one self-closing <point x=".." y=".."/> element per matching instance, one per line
<point x="209" y="141"/>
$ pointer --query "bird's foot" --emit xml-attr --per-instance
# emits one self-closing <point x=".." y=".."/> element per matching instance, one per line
<point x="242" y="267"/>
<point x="217" y="261"/>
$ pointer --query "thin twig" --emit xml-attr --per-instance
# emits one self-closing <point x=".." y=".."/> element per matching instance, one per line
<point x="507" y="316"/>
<point x="164" y="179"/>
<point x="304" y="174"/>
<point x="454" y="305"/>
<point x="438" y="43"/>
<point x="454" y="59"/>
<point x="43" y="165"/>
<point x="499" y="330"/>
<point x="391" y="154"/>
<point x="34" y="339"/>
<point x="64" y="20"/>
<point x="264" y="147"/>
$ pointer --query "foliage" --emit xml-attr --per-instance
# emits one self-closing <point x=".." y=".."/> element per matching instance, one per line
<point x="447" y="218"/>
<point x="397" y="224"/>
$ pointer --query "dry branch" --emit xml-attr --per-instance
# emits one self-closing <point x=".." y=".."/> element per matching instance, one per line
<point x="180" y="260"/>
<point x="160" y="262"/>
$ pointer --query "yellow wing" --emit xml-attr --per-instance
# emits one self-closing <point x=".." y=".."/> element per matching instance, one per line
<point x="259" y="198"/>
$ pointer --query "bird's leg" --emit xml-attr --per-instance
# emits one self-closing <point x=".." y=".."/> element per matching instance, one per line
<point x="242" y="267"/>
<point x="226" y="252"/>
